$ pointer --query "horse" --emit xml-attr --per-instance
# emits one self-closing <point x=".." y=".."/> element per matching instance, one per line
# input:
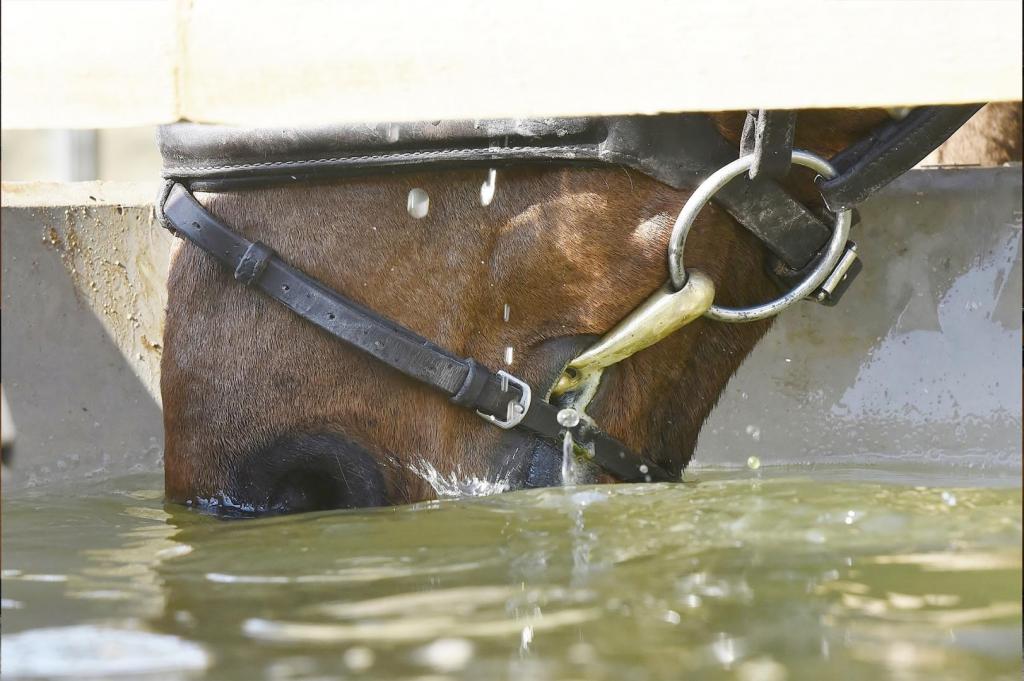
<point x="521" y="265"/>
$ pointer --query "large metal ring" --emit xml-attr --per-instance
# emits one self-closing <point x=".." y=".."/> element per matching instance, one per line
<point x="707" y="189"/>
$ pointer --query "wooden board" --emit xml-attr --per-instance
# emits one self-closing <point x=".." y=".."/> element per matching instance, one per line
<point x="104" y="64"/>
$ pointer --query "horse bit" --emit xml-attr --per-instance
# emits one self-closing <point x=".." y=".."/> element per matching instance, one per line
<point x="679" y="149"/>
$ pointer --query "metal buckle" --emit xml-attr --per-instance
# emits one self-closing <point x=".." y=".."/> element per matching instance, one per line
<point x="516" y="410"/>
<point x="835" y="285"/>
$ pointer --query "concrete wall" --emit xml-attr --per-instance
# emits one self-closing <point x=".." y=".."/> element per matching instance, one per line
<point x="84" y="290"/>
<point x="920" y="362"/>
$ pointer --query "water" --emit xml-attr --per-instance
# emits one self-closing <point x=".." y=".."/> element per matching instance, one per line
<point x="418" y="203"/>
<point x="807" y="573"/>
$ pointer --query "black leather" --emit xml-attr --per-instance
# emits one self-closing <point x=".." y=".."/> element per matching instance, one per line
<point x="465" y="381"/>
<point x="678" y="149"/>
<point x="768" y="135"/>
<point x="890" y="151"/>
<point x="253" y="262"/>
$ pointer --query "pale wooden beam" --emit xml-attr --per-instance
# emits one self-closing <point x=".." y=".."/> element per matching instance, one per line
<point x="68" y="64"/>
<point x="101" y="64"/>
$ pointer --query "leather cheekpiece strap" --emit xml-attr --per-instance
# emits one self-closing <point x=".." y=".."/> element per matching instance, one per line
<point x="890" y="151"/>
<point x="768" y="135"/>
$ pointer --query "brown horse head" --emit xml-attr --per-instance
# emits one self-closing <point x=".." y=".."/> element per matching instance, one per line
<point x="264" y="411"/>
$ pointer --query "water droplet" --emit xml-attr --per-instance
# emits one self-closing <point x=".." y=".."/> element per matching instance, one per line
<point x="568" y="459"/>
<point x="949" y="498"/>
<point x="568" y="418"/>
<point x="509" y="355"/>
<point x="725" y="650"/>
<point x="526" y="638"/>
<point x="418" y="204"/>
<point x="753" y="463"/>
<point x="488" y="187"/>
<point x="754" y="432"/>
<point x="506" y="312"/>
<point x="392" y="132"/>
<point x="672" y="617"/>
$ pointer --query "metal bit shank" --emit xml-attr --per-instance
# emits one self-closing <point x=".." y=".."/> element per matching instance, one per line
<point x="665" y="312"/>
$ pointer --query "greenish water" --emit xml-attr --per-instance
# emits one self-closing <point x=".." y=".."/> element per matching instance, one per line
<point x="743" y="575"/>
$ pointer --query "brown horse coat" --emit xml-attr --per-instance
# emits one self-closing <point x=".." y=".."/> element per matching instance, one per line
<point x="264" y="411"/>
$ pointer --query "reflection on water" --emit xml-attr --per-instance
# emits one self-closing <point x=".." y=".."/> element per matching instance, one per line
<point x="752" y="575"/>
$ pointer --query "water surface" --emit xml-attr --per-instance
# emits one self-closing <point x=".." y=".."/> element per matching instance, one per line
<point x="788" y="574"/>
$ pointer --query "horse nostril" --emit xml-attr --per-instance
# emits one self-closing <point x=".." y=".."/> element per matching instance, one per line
<point x="308" y="472"/>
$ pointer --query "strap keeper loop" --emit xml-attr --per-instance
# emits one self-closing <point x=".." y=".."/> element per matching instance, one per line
<point x="253" y="262"/>
<point x="472" y="386"/>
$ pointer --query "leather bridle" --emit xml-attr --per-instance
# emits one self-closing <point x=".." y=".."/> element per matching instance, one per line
<point x="679" y="149"/>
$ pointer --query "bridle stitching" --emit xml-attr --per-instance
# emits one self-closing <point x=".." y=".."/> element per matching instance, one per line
<point x="177" y="170"/>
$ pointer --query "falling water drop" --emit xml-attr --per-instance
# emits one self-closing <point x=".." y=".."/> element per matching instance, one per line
<point x="526" y="638"/>
<point x="392" y="132"/>
<point x="568" y="418"/>
<point x="568" y="460"/>
<point x="509" y="355"/>
<point x="506" y="312"/>
<point x="488" y="187"/>
<point x="418" y="204"/>
<point x="753" y="463"/>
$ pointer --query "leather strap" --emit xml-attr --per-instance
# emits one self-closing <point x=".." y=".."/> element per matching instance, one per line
<point x="768" y="135"/>
<point x="890" y="151"/>
<point x="466" y="382"/>
<point x="691" y="149"/>
<point x="680" y="150"/>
